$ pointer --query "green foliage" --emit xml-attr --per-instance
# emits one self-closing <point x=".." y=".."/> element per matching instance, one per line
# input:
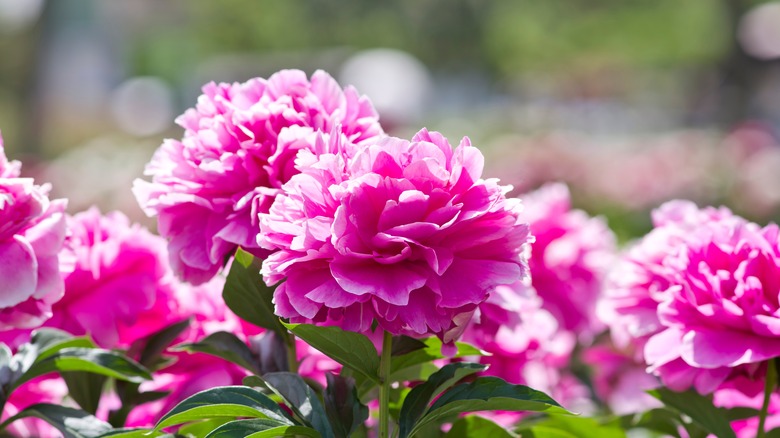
<point x="350" y="349"/>
<point x="345" y="412"/>
<point x="260" y="428"/>
<point x="473" y="426"/>
<point x="72" y="423"/>
<point x="226" y="346"/>
<point x="301" y="399"/>
<point x="700" y="409"/>
<point x="572" y="426"/>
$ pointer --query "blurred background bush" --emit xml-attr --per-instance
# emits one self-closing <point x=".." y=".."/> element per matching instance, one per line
<point x="630" y="102"/>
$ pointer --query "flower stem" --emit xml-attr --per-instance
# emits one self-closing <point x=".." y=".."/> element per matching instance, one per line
<point x="292" y="353"/>
<point x="384" y="386"/>
<point x="769" y="386"/>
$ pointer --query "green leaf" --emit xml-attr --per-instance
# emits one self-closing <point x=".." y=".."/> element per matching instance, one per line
<point x="72" y="423"/>
<point x="226" y="346"/>
<point x="301" y="399"/>
<point x="149" y="349"/>
<point x="576" y="426"/>
<point x="48" y="341"/>
<point x="431" y="352"/>
<point x="246" y="294"/>
<point x="473" y="426"/>
<point x="416" y="402"/>
<point x="699" y="408"/>
<point x="134" y="432"/>
<point x="85" y="389"/>
<point x="344" y="410"/>
<point x="350" y="349"/>
<point x="486" y="394"/>
<point x="93" y="360"/>
<point x="225" y="401"/>
<point x="261" y="428"/>
<point x="663" y="420"/>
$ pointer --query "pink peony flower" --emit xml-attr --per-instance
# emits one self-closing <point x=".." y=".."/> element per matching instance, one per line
<point x="121" y="289"/>
<point x="404" y="233"/>
<point x="238" y="150"/>
<point x="699" y="294"/>
<point x="32" y="231"/>
<point x="569" y="258"/>
<point x="525" y="342"/>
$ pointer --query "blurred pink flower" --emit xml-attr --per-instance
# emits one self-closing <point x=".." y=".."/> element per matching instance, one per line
<point x="699" y="294"/>
<point x="743" y="392"/>
<point x="239" y="147"/>
<point x="404" y="233"/>
<point x="569" y="258"/>
<point x="32" y="232"/>
<point x="621" y="380"/>
<point x="120" y="273"/>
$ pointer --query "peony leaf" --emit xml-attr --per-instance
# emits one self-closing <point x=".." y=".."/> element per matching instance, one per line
<point x="485" y="394"/>
<point x="350" y="349"/>
<point x="226" y="346"/>
<point x="149" y="349"/>
<point x="430" y="352"/>
<point x="416" y="402"/>
<point x="93" y="360"/>
<point x="260" y="428"/>
<point x="247" y="296"/>
<point x="344" y="410"/>
<point x="224" y="401"/>
<point x="301" y="399"/>
<point x="699" y="408"/>
<point x="134" y="432"/>
<point x="573" y="426"/>
<point x="72" y="423"/>
<point x="85" y="389"/>
<point x="472" y="426"/>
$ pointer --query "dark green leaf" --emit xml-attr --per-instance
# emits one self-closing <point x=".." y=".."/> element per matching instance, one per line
<point x="301" y="399"/>
<point x="134" y="432"/>
<point x="431" y="352"/>
<point x="350" y="349"/>
<point x="72" y="423"/>
<point x="225" y="401"/>
<point x="699" y="408"/>
<point x="416" y="402"/>
<point x="48" y="341"/>
<point x="85" y="388"/>
<point x="661" y="420"/>
<point x="226" y="346"/>
<point x="258" y="428"/>
<point x="93" y="360"/>
<point x="405" y="344"/>
<point x="202" y="428"/>
<point x="246" y="294"/>
<point x="344" y="410"/>
<point x="150" y="349"/>
<point x="486" y="394"/>
<point x="473" y="426"/>
<point x="254" y="381"/>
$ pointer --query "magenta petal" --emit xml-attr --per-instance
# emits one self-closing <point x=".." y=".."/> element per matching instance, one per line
<point x="391" y="283"/>
<point x="711" y="349"/>
<point x="468" y="281"/>
<point x="18" y="271"/>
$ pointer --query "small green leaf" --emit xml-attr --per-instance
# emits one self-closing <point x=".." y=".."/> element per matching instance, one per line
<point x="226" y="346"/>
<point x="202" y="428"/>
<point x="93" y="360"/>
<point x="486" y="394"/>
<point x="48" y="341"/>
<point x="246" y="294"/>
<point x="261" y="428"/>
<point x="699" y="408"/>
<point x="344" y="410"/>
<point x="474" y="426"/>
<point x="576" y="426"/>
<point x="72" y="423"/>
<point x="85" y="389"/>
<point x="350" y="349"/>
<point x="430" y="352"/>
<point x="134" y="432"/>
<point x="301" y="399"/>
<point x="416" y="402"/>
<point x="150" y="349"/>
<point x="225" y="401"/>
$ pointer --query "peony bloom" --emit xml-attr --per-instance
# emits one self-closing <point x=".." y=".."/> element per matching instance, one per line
<point x="32" y="232"/>
<point x="238" y="149"/>
<point x="569" y="258"/>
<point x="700" y="295"/>
<point x="525" y="342"/>
<point x="121" y="289"/>
<point x="404" y="233"/>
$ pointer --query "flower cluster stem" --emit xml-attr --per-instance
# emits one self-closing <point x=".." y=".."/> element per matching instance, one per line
<point x="384" y="386"/>
<point x="769" y="386"/>
<point x="292" y="353"/>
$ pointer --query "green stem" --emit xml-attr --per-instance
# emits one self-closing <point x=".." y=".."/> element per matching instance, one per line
<point x="292" y="353"/>
<point x="769" y="386"/>
<point x="384" y="386"/>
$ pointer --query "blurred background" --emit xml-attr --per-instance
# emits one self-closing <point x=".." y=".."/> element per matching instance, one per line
<point x="630" y="102"/>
